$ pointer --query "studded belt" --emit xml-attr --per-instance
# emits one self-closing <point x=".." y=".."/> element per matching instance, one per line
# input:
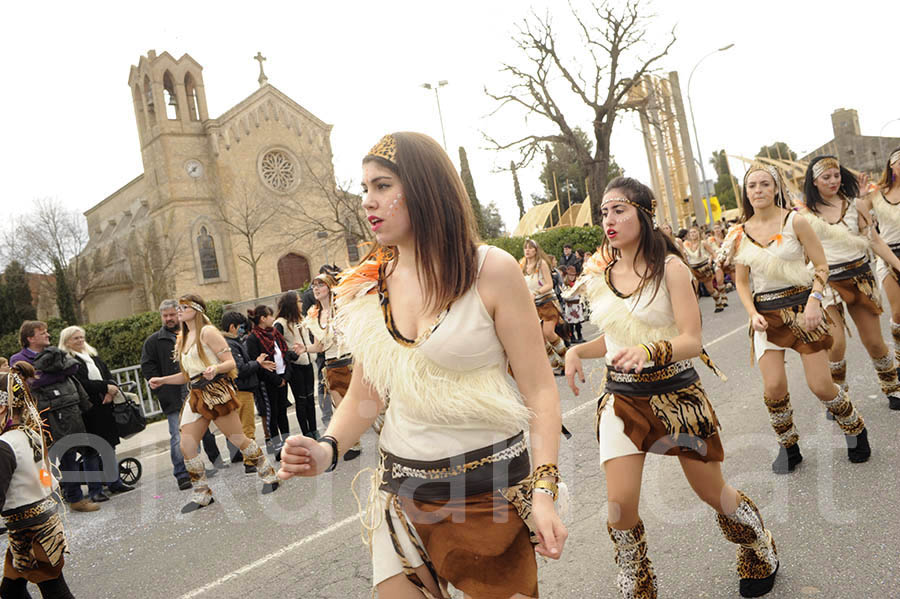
<point x="848" y="270"/>
<point x="781" y="298"/>
<point x="653" y="380"/>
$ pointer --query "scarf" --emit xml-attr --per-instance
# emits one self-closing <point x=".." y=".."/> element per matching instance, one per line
<point x="268" y="338"/>
<point x="92" y="370"/>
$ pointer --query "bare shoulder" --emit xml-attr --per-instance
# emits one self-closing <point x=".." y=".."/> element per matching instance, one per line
<point x="676" y="271"/>
<point x="499" y="264"/>
<point x="801" y="225"/>
<point x="210" y="332"/>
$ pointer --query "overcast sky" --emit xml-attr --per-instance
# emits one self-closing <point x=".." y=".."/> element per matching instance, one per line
<point x="69" y="129"/>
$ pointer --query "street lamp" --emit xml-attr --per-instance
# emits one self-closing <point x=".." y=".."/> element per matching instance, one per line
<point x="696" y="137"/>
<point x="437" y="98"/>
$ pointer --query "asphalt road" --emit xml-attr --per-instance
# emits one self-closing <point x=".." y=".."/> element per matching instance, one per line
<point x="835" y="523"/>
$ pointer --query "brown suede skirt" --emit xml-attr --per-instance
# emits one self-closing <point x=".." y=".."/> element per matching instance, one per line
<point x="35" y="552"/>
<point x="860" y="290"/>
<point x="703" y="272"/>
<point x="215" y="400"/>
<point x="549" y="311"/>
<point x="337" y="378"/>
<point x="479" y="544"/>
<point x="785" y="330"/>
<point x="680" y="422"/>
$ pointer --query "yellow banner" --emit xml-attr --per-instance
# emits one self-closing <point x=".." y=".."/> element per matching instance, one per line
<point x="716" y="209"/>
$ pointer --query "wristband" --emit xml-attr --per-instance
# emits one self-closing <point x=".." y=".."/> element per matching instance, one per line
<point x="545" y="492"/>
<point x="334" y="451"/>
<point x="818" y="295"/>
<point x="546" y="486"/>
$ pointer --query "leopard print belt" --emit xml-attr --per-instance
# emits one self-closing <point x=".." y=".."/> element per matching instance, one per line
<point x="849" y="270"/>
<point x="653" y="380"/>
<point x="781" y="298"/>
<point x="30" y="514"/>
<point x="489" y="468"/>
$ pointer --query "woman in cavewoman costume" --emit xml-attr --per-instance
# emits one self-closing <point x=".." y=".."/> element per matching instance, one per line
<point x="699" y="256"/>
<point x="433" y="320"/>
<point x="642" y="299"/>
<point x="845" y="227"/>
<point x="784" y="302"/>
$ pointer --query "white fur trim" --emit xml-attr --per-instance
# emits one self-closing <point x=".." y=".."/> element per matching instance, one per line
<point x="430" y="392"/>
<point x="771" y="268"/>
<point x="837" y="233"/>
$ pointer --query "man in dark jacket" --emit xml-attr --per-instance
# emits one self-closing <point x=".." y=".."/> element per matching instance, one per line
<point x="568" y="257"/>
<point x="157" y="360"/>
<point x="60" y="399"/>
<point x="247" y="381"/>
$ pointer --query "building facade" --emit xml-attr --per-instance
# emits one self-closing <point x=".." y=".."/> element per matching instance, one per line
<point x="259" y="175"/>
<point x="865" y="153"/>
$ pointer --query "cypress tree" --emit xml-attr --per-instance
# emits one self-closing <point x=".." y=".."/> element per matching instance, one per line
<point x="65" y="301"/>
<point x="466" y="176"/>
<point x="17" y="294"/>
<point x="517" y="189"/>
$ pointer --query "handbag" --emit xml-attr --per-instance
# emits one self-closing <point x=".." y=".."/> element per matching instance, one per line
<point x="127" y="413"/>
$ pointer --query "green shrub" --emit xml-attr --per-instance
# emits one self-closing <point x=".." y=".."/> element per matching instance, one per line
<point x="553" y="240"/>
<point x="119" y="342"/>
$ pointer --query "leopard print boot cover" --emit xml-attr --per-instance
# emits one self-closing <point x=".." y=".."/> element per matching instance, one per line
<point x="887" y="375"/>
<point x="201" y="494"/>
<point x="636" y="578"/>
<point x="895" y="333"/>
<point x="756" y="557"/>
<point x="721" y="299"/>
<point x="839" y="374"/>
<point x="850" y="421"/>
<point x="252" y="453"/>
<point x="555" y="360"/>
<point x="781" y="415"/>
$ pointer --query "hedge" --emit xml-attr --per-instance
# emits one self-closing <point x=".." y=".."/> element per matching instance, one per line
<point x="552" y="241"/>
<point x="118" y="342"/>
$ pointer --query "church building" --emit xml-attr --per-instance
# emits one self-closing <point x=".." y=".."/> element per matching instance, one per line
<point x="183" y="225"/>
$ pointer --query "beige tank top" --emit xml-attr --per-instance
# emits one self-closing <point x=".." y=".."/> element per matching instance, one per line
<point x="192" y="362"/>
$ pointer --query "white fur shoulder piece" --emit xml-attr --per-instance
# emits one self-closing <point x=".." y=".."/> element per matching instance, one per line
<point x="616" y="317"/>
<point x="430" y="392"/>
<point x="770" y="267"/>
<point x="888" y="216"/>
<point x="836" y="233"/>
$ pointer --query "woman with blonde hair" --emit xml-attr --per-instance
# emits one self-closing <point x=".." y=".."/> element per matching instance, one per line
<point x="700" y="257"/>
<point x="535" y="267"/>
<point x="101" y="387"/>
<point x="433" y="319"/>
<point x="207" y="364"/>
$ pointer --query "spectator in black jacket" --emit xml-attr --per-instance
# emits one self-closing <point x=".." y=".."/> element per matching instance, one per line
<point x="264" y="340"/>
<point x="157" y="360"/>
<point x="98" y="382"/>
<point x="568" y="257"/>
<point x="247" y="381"/>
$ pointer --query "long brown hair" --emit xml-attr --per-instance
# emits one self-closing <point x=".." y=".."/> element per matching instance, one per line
<point x="440" y="214"/>
<point x="653" y="244"/>
<point x="539" y="256"/>
<point x="200" y="321"/>
<point x="887" y="178"/>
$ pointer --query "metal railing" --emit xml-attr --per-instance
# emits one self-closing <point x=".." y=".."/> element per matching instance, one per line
<point x="149" y="405"/>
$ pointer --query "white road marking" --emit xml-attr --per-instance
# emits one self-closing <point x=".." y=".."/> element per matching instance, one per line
<point x="349" y="519"/>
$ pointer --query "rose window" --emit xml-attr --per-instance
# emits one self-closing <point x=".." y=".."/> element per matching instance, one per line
<point x="278" y="170"/>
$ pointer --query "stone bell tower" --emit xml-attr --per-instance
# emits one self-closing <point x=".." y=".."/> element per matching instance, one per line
<point x="170" y="109"/>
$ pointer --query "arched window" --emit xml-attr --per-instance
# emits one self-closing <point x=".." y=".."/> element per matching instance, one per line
<point x="148" y="96"/>
<point x="171" y="99"/>
<point x="190" y="89"/>
<point x="293" y="271"/>
<point x="206" y="247"/>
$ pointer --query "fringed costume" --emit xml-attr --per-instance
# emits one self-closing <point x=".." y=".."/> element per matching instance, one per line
<point x="37" y="541"/>
<point x="781" y="284"/>
<point x="211" y="399"/>
<point x="663" y="409"/>
<point x="452" y="487"/>
<point x="548" y="310"/>
<point x="699" y="261"/>
<point x="851" y="280"/>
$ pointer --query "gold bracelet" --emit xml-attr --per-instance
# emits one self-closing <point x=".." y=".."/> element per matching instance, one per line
<point x="547" y="485"/>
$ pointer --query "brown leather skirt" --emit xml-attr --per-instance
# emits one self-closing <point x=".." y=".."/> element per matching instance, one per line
<point x="549" y="311"/>
<point x="703" y="272"/>
<point x="215" y="400"/>
<point x="35" y="553"/>
<point x="860" y="291"/>
<point x="785" y="330"/>
<point x="479" y="544"/>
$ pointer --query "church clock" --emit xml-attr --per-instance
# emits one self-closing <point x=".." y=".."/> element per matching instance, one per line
<point x="194" y="168"/>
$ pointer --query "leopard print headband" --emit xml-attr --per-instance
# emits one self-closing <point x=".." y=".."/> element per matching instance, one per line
<point x="385" y="148"/>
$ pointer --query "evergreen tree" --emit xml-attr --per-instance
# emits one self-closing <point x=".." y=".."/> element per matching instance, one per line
<point x="65" y="300"/>
<point x="17" y="296"/>
<point x="493" y="224"/>
<point x="466" y="176"/>
<point x="777" y="151"/>
<point x="571" y="178"/>
<point x="725" y="184"/>
<point x="517" y="189"/>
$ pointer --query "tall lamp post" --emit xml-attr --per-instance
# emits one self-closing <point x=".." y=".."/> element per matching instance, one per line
<point x="437" y="98"/>
<point x="696" y="137"/>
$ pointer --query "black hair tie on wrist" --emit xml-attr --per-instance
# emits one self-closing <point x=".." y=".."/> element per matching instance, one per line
<point x="334" y="451"/>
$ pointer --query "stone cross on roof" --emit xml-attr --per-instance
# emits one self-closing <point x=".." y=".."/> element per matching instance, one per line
<point x="262" y="74"/>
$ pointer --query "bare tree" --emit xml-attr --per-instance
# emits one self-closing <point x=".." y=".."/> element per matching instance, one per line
<point x="613" y="38"/>
<point x="340" y="215"/>
<point x="247" y="211"/>
<point x="50" y="239"/>
<point x="155" y="260"/>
